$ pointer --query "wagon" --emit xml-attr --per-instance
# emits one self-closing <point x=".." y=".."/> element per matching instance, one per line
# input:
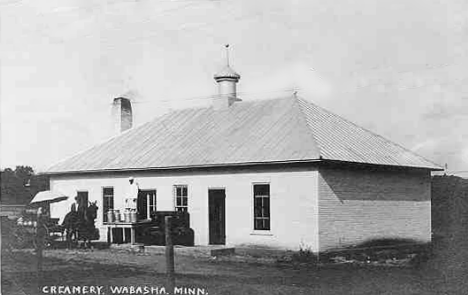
<point x="153" y="232"/>
<point x="27" y="224"/>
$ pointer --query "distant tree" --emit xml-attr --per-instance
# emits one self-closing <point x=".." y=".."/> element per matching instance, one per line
<point x="19" y="186"/>
<point x="24" y="173"/>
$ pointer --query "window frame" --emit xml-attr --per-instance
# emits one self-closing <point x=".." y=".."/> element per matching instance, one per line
<point x="104" y="211"/>
<point x="154" y="207"/>
<point x="176" y="207"/>
<point x="155" y="199"/>
<point x="254" y="218"/>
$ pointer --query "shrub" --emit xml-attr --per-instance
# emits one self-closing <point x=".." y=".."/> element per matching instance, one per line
<point x="304" y="255"/>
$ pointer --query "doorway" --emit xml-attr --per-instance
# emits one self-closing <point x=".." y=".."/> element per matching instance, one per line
<point x="217" y="216"/>
<point x="146" y="204"/>
<point x="82" y="200"/>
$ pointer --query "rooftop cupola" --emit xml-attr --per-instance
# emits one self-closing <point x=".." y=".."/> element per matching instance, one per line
<point x="227" y="79"/>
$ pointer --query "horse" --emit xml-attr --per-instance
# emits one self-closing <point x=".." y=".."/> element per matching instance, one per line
<point x="86" y="229"/>
<point x="70" y="226"/>
<point x="79" y="225"/>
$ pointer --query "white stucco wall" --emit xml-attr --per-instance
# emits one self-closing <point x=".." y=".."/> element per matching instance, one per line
<point x="294" y="203"/>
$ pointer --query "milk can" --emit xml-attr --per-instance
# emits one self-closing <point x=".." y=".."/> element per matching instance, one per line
<point x="133" y="216"/>
<point x="110" y="216"/>
<point x="116" y="215"/>
<point x="127" y="216"/>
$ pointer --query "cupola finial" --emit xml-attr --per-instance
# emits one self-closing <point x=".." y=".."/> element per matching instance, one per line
<point x="227" y="79"/>
<point x="227" y="54"/>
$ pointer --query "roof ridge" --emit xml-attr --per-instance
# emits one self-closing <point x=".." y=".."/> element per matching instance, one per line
<point x="297" y="103"/>
<point x="367" y="130"/>
<point x="289" y="106"/>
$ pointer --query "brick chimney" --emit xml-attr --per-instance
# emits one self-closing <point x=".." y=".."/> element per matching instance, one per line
<point x="122" y="114"/>
<point x="227" y="79"/>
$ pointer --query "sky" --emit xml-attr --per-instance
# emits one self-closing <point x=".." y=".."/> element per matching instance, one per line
<point x="396" y="67"/>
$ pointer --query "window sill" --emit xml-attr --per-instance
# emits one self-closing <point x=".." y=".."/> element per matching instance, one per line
<point x="261" y="233"/>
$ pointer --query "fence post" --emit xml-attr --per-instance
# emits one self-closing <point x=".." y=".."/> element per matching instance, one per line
<point x="169" y="255"/>
<point x="39" y="246"/>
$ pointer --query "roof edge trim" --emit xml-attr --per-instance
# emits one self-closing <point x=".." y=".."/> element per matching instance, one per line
<point x="382" y="165"/>
<point x="183" y="167"/>
<point x="228" y="165"/>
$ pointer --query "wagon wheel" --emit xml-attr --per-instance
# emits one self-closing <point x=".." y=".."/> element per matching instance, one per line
<point x="18" y="238"/>
<point x="71" y="237"/>
<point x="42" y="235"/>
<point x="47" y="238"/>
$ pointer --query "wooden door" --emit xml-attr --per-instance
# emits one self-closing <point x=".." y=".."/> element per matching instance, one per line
<point x="217" y="216"/>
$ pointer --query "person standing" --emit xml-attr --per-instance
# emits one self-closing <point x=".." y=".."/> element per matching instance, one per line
<point x="74" y="205"/>
<point x="132" y="195"/>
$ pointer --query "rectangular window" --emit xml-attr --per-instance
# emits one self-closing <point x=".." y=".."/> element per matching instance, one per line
<point x="107" y="201"/>
<point x="181" y="198"/>
<point x="261" y="206"/>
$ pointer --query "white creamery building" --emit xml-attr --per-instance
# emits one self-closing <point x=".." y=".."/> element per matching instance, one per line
<point x="280" y="173"/>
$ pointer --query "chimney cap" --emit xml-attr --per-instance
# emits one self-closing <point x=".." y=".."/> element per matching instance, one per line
<point x="132" y="95"/>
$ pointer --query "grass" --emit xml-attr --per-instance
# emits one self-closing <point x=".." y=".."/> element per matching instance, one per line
<point x="109" y="268"/>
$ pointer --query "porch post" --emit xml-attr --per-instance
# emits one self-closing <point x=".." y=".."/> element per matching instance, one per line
<point x="148" y="206"/>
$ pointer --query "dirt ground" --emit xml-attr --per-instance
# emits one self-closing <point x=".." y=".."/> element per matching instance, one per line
<point x="110" y="267"/>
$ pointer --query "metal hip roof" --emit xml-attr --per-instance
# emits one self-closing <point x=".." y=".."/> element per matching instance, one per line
<point x="280" y="130"/>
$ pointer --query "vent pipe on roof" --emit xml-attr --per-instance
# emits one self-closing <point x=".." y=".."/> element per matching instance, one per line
<point x="227" y="79"/>
<point x="122" y="114"/>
